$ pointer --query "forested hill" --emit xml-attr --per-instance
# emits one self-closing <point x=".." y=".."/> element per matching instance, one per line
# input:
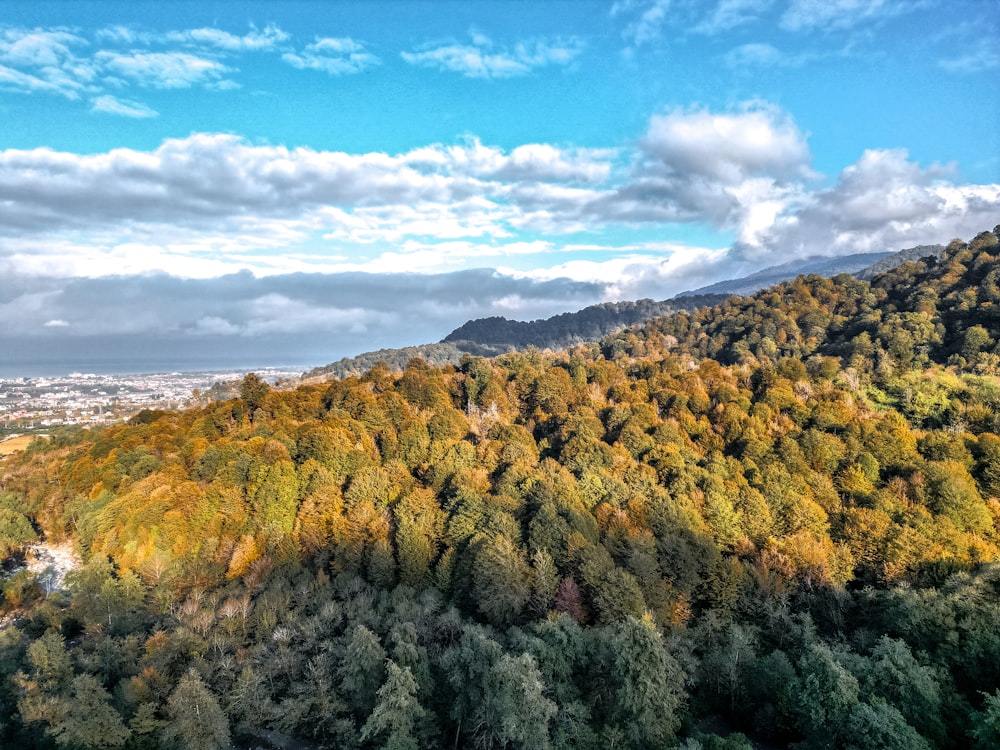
<point x="488" y="337"/>
<point x="496" y="335"/>
<point x="932" y="311"/>
<point x="857" y="264"/>
<point x="775" y="522"/>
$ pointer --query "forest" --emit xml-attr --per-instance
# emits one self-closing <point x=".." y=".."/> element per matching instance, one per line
<point x="770" y="523"/>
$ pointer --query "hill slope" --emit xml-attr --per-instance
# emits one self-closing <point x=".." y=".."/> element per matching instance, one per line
<point x="780" y="515"/>
<point x="818" y="265"/>
<point x="496" y="335"/>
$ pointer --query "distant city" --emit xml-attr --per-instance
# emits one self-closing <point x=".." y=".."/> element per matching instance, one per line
<point x="32" y="403"/>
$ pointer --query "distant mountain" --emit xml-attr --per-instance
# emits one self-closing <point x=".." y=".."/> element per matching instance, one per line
<point x="817" y="264"/>
<point x="487" y="337"/>
<point x="898" y="259"/>
<point x="395" y="359"/>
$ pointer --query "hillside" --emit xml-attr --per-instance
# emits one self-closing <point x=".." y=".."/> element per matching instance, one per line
<point x="818" y="265"/>
<point x="496" y="335"/>
<point x="776" y="519"/>
<point x="491" y="336"/>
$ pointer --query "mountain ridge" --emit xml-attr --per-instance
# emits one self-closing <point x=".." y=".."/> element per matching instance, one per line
<point x="495" y="335"/>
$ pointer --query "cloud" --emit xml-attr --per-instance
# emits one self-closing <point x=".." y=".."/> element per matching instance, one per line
<point x="253" y="41"/>
<point x="59" y="61"/>
<point x="44" y="61"/>
<point x="124" y="107"/>
<point x="204" y="206"/>
<point x="728" y="147"/>
<point x="885" y="201"/>
<point x="730" y="169"/>
<point x="38" y="48"/>
<point x="162" y="70"/>
<point x="731" y="14"/>
<point x="648" y="17"/>
<point x="218" y="183"/>
<point x="809" y="15"/>
<point x="484" y="59"/>
<point x="982" y="58"/>
<point x="659" y="271"/>
<point x="316" y="316"/>
<point x="757" y="55"/>
<point x="336" y="56"/>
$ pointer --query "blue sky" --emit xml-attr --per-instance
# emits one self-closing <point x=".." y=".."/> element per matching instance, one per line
<point x="225" y="177"/>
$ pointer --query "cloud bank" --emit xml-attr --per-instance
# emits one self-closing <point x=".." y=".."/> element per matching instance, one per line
<point x="213" y="238"/>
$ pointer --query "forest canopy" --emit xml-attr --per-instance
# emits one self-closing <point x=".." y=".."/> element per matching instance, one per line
<point x="775" y="519"/>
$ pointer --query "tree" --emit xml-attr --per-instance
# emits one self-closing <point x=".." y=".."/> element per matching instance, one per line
<point x="913" y="689"/>
<point x="502" y="580"/>
<point x="522" y="710"/>
<point x="88" y="720"/>
<point x="976" y="340"/>
<point x="825" y="696"/>
<point x="397" y="711"/>
<point x="986" y="723"/>
<point x="15" y="531"/>
<point x="363" y="670"/>
<point x="253" y="391"/>
<point x="647" y="684"/>
<point x="879" y="725"/>
<point x="196" y="721"/>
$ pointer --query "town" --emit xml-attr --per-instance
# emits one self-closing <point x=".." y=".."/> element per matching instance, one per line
<point x="28" y="404"/>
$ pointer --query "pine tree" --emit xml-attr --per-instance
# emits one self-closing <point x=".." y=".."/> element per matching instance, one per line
<point x="196" y="721"/>
<point x="88" y="720"/>
<point x="397" y="711"/>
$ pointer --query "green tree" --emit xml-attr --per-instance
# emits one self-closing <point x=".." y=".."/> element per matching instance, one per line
<point x="502" y="580"/>
<point x="825" y="696"/>
<point x="15" y="531"/>
<point x="900" y="679"/>
<point x="522" y="711"/>
<point x="986" y="723"/>
<point x="195" y="719"/>
<point x="879" y="725"/>
<point x="88" y="720"/>
<point x="253" y="391"/>
<point x="363" y="670"/>
<point x="397" y="711"/>
<point x="646" y="684"/>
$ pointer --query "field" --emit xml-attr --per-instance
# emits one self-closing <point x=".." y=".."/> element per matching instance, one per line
<point x="15" y="444"/>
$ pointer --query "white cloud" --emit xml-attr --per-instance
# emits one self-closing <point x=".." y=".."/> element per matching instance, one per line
<point x="883" y="202"/>
<point x="659" y="272"/>
<point x="44" y="61"/>
<point x="758" y="55"/>
<point x="209" y="204"/>
<point x="55" y="324"/>
<point x="336" y="56"/>
<point x="648" y="17"/>
<point x="38" y="48"/>
<point x="728" y="147"/>
<point x="255" y="40"/>
<point x="162" y="70"/>
<point x="59" y="61"/>
<point x="808" y="15"/>
<point x="112" y="105"/>
<point x="982" y="58"/>
<point x="484" y="59"/>
<point x="218" y="183"/>
<point x="731" y="14"/>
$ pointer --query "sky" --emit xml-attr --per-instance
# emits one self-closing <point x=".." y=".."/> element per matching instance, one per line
<point x="257" y="183"/>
